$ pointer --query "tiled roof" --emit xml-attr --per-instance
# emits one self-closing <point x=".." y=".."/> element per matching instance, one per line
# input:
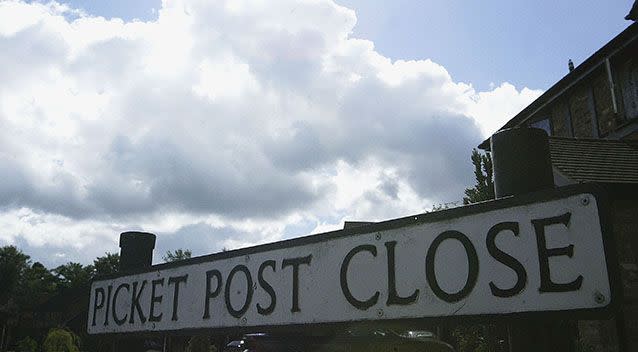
<point x="595" y="160"/>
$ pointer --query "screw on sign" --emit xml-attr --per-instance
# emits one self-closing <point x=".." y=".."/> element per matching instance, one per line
<point x="540" y="254"/>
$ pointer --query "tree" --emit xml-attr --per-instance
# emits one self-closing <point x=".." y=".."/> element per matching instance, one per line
<point x="27" y="344"/>
<point x="478" y="338"/>
<point x="74" y="275"/>
<point x="178" y="254"/>
<point x="106" y="265"/>
<point x="36" y="285"/>
<point x="13" y="264"/>
<point x="484" y="187"/>
<point x="60" y="340"/>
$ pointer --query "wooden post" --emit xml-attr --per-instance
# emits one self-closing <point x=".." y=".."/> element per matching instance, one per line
<point x="136" y="252"/>
<point x="522" y="164"/>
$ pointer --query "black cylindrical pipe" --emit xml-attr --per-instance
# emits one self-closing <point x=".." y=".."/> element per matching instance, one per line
<point x="521" y="161"/>
<point x="136" y="250"/>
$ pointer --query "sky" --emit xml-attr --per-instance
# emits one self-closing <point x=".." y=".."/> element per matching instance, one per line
<point x="225" y="124"/>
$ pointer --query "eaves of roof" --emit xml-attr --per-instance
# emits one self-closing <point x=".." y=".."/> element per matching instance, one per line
<point x="581" y="71"/>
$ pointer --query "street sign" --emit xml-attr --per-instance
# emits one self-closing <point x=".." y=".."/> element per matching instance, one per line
<point x="541" y="253"/>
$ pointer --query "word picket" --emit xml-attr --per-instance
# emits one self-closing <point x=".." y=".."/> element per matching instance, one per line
<point x="499" y="258"/>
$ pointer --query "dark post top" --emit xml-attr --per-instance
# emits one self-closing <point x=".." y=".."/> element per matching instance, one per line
<point x="136" y="250"/>
<point x="521" y="161"/>
<point x="522" y="164"/>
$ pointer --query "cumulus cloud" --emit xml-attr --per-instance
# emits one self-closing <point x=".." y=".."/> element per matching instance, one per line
<point x="492" y="109"/>
<point x="221" y="124"/>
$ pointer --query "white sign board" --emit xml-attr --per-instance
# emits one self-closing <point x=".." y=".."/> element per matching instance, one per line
<point x="501" y="257"/>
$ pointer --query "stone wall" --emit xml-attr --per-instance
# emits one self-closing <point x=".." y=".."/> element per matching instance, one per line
<point x="581" y="113"/>
<point x="560" y="120"/>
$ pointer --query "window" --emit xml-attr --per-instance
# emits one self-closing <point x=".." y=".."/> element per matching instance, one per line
<point x="629" y="85"/>
<point x="543" y="124"/>
<point x="561" y="120"/>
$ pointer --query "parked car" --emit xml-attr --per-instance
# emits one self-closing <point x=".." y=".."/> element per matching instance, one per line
<point x="348" y="341"/>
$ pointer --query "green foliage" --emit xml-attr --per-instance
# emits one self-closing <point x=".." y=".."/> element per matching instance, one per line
<point x="74" y="275"/>
<point x="178" y="254"/>
<point x="23" y="286"/>
<point x="106" y="265"/>
<point x="60" y="340"/>
<point x="36" y="285"/>
<point x="27" y="344"/>
<point x="13" y="264"/>
<point x="474" y="338"/>
<point x="484" y="188"/>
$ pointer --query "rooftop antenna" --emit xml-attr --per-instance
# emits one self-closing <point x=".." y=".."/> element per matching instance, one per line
<point x="633" y="13"/>
<point x="570" y="64"/>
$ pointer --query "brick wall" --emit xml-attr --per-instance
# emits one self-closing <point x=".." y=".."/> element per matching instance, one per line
<point x="628" y="77"/>
<point x="560" y="120"/>
<point x="587" y="109"/>
<point x="581" y="113"/>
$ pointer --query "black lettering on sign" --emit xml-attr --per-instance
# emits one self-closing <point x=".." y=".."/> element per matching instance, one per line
<point x="135" y="303"/>
<point x="473" y="266"/>
<point x="108" y="305"/>
<point x="295" y="262"/>
<point x="218" y="278"/>
<point x="177" y="280"/>
<point x="504" y="258"/>
<point x="249" y="291"/>
<point x="155" y="299"/>
<point x="362" y="305"/>
<point x="393" y="295"/>
<point x="96" y="305"/>
<point x="267" y="287"/>
<point x="547" y="285"/>
<point x="117" y="320"/>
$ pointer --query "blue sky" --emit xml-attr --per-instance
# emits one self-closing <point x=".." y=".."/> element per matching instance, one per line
<point x="227" y="123"/>
<point x="526" y="43"/>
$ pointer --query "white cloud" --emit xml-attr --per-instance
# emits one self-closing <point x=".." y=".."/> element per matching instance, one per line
<point x="492" y="109"/>
<point x="223" y="123"/>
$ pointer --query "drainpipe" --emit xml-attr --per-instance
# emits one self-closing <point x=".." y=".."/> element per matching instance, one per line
<point x="612" y="89"/>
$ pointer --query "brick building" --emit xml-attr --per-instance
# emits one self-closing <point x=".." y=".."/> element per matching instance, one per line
<point x="591" y="116"/>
